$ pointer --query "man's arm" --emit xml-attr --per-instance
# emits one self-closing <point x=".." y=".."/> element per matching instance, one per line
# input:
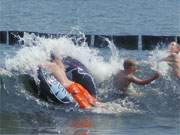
<point x="169" y="58"/>
<point x="143" y="82"/>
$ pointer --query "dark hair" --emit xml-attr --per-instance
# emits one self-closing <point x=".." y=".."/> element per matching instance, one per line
<point x="52" y="56"/>
<point x="129" y="63"/>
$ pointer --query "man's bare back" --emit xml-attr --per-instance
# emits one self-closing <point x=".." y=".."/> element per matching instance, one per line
<point x="122" y="82"/>
<point x="126" y="76"/>
<point x="58" y="72"/>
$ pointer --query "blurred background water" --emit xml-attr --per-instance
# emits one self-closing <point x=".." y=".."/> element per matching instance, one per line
<point x="160" y="17"/>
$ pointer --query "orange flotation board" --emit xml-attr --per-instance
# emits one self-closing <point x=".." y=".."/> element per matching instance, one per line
<point x="81" y="95"/>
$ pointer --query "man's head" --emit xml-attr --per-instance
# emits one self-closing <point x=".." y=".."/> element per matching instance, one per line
<point x="54" y="58"/>
<point x="174" y="47"/>
<point x="130" y="65"/>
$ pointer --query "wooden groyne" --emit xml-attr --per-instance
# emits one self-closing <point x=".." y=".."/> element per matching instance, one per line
<point x="132" y="42"/>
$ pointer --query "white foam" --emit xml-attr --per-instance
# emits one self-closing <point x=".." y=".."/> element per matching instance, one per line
<point x="156" y="61"/>
<point x="5" y="72"/>
<point x="116" y="108"/>
<point x="37" y="50"/>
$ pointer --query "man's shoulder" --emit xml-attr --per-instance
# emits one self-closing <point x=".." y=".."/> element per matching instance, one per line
<point x="174" y="55"/>
<point x="130" y="77"/>
<point x="120" y="72"/>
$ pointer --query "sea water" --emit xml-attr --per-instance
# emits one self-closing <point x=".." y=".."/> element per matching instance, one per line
<point x="152" y="108"/>
<point x="130" y="17"/>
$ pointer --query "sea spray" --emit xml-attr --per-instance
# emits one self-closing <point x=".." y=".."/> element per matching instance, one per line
<point x="117" y="108"/>
<point x="156" y="60"/>
<point x="36" y="50"/>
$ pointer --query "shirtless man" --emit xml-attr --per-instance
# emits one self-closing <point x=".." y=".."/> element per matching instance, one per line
<point x="125" y="77"/>
<point x="79" y="93"/>
<point x="174" y="59"/>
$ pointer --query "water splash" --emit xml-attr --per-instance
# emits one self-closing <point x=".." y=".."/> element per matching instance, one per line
<point x="36" y="50"/>
<point x="117" y="108"/>
<point x="155" y="59"/>
<point x="113" y="48"/>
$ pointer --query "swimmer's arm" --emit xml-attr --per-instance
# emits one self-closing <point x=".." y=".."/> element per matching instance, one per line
<point x="169" y="58"/>
<point x="143" y="82"/>
<point x="165" y="59"/>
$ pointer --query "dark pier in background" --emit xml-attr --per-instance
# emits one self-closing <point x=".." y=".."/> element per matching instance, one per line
<point x="150" y="42"/>
<point x="132" y="42"/>
<point x="3" y="37"/>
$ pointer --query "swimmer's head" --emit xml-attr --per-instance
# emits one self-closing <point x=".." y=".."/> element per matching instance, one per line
<point x="130" y="65"/>
<point x="53" y="57"/>
<point x="174" y="47"/>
